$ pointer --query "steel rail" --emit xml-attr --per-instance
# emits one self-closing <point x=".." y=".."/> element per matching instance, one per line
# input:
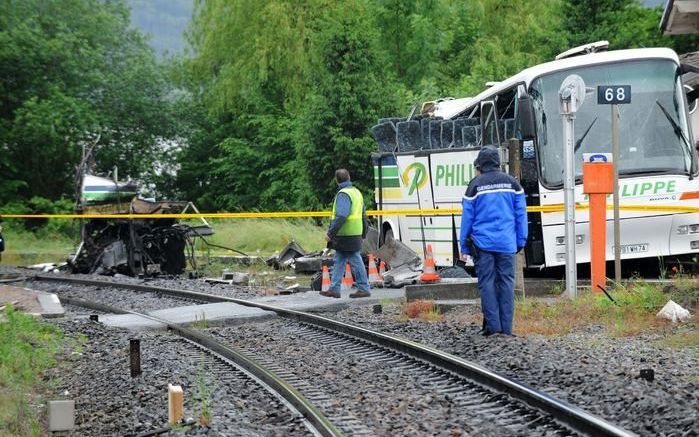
<point x="314" y="420"/>
<point x="569" y="415"/>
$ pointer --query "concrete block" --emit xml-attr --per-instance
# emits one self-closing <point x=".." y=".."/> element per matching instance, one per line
<point x="61" y="415"/>
<point x="51" y="306"/>
<point x="447" y="290"/>
<point x="442" y="291"/>
<point x="175" y="403"/>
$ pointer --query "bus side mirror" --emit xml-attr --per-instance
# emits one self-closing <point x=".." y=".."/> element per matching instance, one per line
<point x="525" y="117"/>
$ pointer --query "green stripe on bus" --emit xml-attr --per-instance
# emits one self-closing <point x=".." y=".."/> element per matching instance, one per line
<point x="386" y="171"/>
<point x="389" y="183"/>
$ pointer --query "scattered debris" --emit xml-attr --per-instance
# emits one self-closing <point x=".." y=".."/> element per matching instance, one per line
<point x="286" y="256"/>
<point x="295" y="288"/>
<point x="673" y="312"/>
<point x="218" y="281"/>
<point x="48" y="267"/>
<point x="406" y="274"/>
<point x="313" y="262"/>
<point x="238" y="278"/>
<point x="370" y="244"/>
<point x="239" y="259"/>
<point x="397" y="254"/>
<point x="454" y="272"/>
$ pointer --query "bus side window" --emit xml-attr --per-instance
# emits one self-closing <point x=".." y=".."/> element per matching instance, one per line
<point x="505" y="107"/>
<point x="447" y="137"/>
<point x="489" y="134"/>
<point x="435" y="134"/>
<point x="385" y="135"/>
<point x="425" y="133"/>
<point x="459" y="125"/>
<point x="409" y="136"/>
<point x="471" y="136"/>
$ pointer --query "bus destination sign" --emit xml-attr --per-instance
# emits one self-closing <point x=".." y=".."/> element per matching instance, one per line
<point x="613" y="94"/>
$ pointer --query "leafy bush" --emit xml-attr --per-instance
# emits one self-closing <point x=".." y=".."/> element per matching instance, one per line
<point x="41" y="226"/>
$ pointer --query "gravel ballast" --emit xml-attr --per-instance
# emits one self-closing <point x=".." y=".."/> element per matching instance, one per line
<point x="588" y="369"/>
<point x="110" y="402"/>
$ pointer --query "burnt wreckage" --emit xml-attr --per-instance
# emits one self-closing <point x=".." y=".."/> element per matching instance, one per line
<point x="147" y="246"/>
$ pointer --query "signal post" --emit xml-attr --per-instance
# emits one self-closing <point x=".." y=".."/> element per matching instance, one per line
<point x="598" y="182"/>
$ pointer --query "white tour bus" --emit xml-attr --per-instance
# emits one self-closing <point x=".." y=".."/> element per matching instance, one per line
<point x="426" y="161"/>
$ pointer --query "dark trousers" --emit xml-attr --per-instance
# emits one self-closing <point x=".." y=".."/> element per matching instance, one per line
<point x="496" y="283"/>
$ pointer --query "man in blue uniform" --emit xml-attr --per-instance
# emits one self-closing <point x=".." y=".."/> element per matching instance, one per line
<point x="345" y="235"/>
<point x="493" y="229"/>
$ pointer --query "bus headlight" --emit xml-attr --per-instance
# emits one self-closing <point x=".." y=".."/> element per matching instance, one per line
<point x="579" y="239"/>
<point x="688" y="229"/>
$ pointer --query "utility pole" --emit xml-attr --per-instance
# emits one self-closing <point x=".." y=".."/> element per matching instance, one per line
<point x="515" y="170"/>
<point x="615" y="95"/>
<point x="615" y="162"/>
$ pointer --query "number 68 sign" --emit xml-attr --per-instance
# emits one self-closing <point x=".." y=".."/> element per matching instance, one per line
<point x="613" y="94"/>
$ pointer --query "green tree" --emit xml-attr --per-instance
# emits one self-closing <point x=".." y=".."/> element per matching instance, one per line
<point x="351" y="91"/>
<point x="624" y="23"/>
<point x="72" y="71"/>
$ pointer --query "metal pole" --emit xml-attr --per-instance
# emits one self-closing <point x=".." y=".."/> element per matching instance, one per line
<point x="380" y="217"/>
<point x="615" y="162"/>
<point x="515" y="170"/>
<point x="569" y="200"/>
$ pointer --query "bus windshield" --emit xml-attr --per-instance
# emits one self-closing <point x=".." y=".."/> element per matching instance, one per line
<point x="654" y="136"/>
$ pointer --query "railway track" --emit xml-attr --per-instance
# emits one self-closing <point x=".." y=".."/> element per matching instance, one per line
<point x="491" y="401"/>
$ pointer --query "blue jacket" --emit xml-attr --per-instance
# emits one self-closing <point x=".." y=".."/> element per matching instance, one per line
<point x="494" y="208"/>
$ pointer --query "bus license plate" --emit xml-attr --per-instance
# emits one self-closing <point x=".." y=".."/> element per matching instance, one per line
<point x="634" y="248"/>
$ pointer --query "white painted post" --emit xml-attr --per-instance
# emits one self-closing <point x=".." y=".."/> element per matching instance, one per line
<point x="572" y="95"/>
<point x="175" y="403"/>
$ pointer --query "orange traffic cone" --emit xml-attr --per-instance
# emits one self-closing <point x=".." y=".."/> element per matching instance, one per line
<point x="429" y="273"/>
<point x="325" y="283"/>
<point x="347" y="280"/>
<point x="382" y="270"/>
<point x="374" y="278"/>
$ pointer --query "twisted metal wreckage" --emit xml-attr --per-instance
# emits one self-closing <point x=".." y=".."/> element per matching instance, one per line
<point x="135" y="247"/>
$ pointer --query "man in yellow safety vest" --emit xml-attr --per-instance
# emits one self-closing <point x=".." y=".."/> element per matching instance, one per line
<point x="345" y="235"/>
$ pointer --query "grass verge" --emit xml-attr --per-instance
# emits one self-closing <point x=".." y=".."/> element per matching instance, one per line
<point x="27" y="349"/>
<point x="263" y="236"/>
<point x="633" y="311"/>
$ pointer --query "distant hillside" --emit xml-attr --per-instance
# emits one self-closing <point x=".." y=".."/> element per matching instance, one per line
<point x="164" y="20"/>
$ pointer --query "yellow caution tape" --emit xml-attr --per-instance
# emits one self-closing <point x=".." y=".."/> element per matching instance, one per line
<point x="309" y="214"/>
